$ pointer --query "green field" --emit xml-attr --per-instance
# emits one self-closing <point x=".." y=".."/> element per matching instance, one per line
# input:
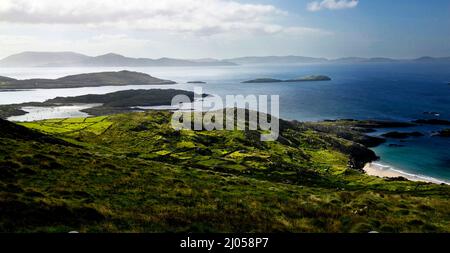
<point x="134" y="173"/>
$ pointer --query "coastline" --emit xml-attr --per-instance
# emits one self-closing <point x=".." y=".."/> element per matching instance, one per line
<point x="385" y="171"/>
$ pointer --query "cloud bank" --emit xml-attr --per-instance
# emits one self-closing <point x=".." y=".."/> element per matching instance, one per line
<point x="202" y="17"/>
<point x="332" y="5"/>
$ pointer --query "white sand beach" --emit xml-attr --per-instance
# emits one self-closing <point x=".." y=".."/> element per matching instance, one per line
<point x="384" y="171"/>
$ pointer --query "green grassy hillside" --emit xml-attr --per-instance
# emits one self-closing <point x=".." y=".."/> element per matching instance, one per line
<point x="134" y="173"/>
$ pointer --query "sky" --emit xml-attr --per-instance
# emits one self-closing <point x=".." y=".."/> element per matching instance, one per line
<point x="228" y="28"/>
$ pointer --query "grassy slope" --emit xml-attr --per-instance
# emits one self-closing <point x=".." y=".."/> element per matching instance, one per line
<point x="132" y="172"/>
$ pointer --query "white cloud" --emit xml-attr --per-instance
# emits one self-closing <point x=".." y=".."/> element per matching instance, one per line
<point x="332" y="5"/>
<point x="201" y="17"/>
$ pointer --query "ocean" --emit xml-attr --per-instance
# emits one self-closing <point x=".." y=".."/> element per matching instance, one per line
<point x="380" y="91"/>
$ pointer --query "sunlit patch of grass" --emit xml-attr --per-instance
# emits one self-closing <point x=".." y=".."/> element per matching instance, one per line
<point x="71" y="126"/>
<point x="73" y="120"/>
<point x="332" y="161"/>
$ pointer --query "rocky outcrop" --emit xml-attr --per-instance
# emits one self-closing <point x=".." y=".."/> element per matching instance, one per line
<point x="402" y="135"/>
<point x="444" y="133"/>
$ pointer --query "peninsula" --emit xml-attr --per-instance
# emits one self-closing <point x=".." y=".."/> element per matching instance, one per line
<point x="110" y="103"/>
<point x="119" y="78"/>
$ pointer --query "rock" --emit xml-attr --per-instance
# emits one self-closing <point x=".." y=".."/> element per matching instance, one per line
<point x="433" y="122"/>
<point x="444" y="133"/>
<point x="371" y="141"/>
<point x="437" y="114"/>
<point x="402" y="135"/>
<point x="360" y="156"/>
<point x="396" y="145"/>
<point x="383" y="124"/>
<point x="396" y="179"/>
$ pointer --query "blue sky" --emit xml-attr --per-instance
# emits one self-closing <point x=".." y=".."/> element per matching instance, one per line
<point x="392" y="28"/>
<point x="228" y="28"/>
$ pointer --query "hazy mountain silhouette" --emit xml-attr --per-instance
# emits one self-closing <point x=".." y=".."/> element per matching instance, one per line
<point x="71" y="59"/>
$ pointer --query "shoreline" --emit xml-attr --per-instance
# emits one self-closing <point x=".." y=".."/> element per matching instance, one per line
<point x="385" y="171"/>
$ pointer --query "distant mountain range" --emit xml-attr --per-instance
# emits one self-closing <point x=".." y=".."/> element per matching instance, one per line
<point x="302" y="59"/>
<point x="71" y="59"/>
<point x="275" y="60"/>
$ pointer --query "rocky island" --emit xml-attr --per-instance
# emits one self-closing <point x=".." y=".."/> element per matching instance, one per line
<point x="444" y="133"/>
<point x="402" y="135"/>
<point x="120" y="78"/>
<point x="310" y="78"/>
<point x="264" y="80"/>
<point x="196" y="82"/>
<point x="300" y="79"/>
<point x="442" y="122"/>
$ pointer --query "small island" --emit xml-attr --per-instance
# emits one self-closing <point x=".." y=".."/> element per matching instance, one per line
<point x="264" y="80"/>
<point x="393" y="145"/>
<point x="442" y="122"/>
<point x="402" y="135"/>
<point x="196" y="82"/>
<point x="436" y="114"/>
<point x="310" y="78"/>
<point x="120" y="78"/>
<point x="444" y="133"/>
<point x="300" y="79"/>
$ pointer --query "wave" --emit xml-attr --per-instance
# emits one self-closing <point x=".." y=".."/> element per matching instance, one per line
<point x="408" y="175"/>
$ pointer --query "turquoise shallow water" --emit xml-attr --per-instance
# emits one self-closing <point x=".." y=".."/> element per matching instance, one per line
<point x="427" y="156"/>
<point x="390" y="91"/>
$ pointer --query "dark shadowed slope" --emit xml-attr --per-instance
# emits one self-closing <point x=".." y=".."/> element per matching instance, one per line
<point x="123" y="101"/>
<point x="111" y="103"/>
<point x="126" y="98"/>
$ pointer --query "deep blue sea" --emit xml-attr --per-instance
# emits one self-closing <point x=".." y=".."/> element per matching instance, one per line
<point x="385" y="91"/>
